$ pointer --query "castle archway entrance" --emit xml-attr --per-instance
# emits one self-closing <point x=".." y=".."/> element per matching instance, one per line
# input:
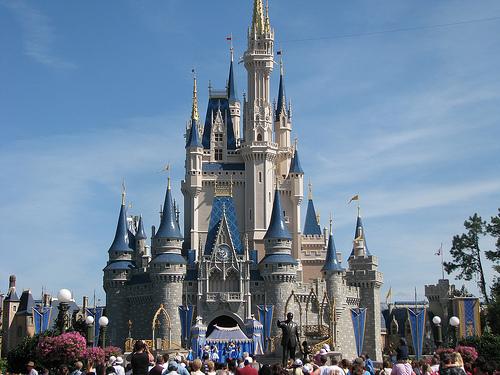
<point x="225" y="321"/>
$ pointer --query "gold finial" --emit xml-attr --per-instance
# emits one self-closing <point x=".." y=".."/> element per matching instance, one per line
<point x="194" y="110"/>
<point x="231" y="49"/>
<point x="167" y="168"/>
<point x="331" y="223"/>
<point x="258" y="16"/>
<point x="267" y="23"/>
<point x="310" y="192"/>
<point x="280" y="53"/>
<point x="124" y="193"/>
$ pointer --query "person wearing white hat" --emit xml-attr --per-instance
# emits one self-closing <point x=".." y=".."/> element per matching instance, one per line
<point x="118" y="366"/>
<point x="297" y="367"/>
<point x="111" y="360"/>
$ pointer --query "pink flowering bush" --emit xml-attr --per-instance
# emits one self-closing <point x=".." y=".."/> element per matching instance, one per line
<point x="468" y="353"/>
<point x="112" y="350"/>
<point x="66" y="348"/>
<point x="96" y="355"/>
<point x="444" y="350"/>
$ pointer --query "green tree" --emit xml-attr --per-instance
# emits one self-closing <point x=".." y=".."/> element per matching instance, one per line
<point x="493" y="309"/>
<point x="493" y="229"/>
<point x="466" y="253"/>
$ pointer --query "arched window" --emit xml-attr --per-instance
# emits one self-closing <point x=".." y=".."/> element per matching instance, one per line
<point x="259" y="137"/>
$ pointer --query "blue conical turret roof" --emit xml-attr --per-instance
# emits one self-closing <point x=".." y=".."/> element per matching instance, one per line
<point x="231" y="87"/>
<point x="281" y="105"/>
<point x="277" y="227"/>
<point x="295" y="166"/>
<point x="121" y="241"/>
<point x="168" y="226"/>
<point x="360" y="233"/>
<point x="311" y="226"/>
<point x="193" y="139"/>
<point x="331" y="262"/>
<point x="141" y="233"/>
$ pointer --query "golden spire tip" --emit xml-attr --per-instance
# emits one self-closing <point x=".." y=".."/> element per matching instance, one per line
<point x="124" y="192"/>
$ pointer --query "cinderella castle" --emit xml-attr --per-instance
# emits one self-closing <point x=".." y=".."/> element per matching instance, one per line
<point x="243" y="259"/>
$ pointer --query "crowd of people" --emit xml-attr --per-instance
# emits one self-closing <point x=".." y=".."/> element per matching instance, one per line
<point x="142" y="362"/>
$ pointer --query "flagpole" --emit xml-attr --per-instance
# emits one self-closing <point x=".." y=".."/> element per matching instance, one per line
<point x="442" y="260"/>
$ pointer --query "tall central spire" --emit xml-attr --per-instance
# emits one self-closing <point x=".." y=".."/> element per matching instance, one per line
<point x="194" y="110"/>
<point x="258" y="16"/>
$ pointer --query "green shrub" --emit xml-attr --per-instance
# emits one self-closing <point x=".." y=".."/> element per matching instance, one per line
<point x="487" y="346"/>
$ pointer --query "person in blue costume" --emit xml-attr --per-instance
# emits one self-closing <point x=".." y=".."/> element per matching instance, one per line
<point x="190" y="355"/>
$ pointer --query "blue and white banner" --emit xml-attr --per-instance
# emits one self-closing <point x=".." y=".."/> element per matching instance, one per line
<point x="42" y="318"/>
<point x="186" y="315"/>
<point x="358" y="317"/>
<point x="417" y="327"/>
<point x="266" y="319"/>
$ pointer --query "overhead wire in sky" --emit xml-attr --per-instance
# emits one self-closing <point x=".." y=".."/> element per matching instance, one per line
<point x="397" y="30"/>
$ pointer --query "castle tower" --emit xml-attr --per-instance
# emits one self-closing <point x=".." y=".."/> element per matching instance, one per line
<point x="116" y="272"/>
<point x="234" y="103"/>
<point x="140" y="237"/>
<point x="168" y="269"/>
<point x="282" y="128"/>
<point x="9" y="309"/>
<point x="23" y="323"/>
<point x="192" y="184"/>
<point x="258" y="151"/>
<point x="278" y="268"/>
<point x="363" y="273"/>
<point x="296" y="177"/>
<point x="332" y="271"/>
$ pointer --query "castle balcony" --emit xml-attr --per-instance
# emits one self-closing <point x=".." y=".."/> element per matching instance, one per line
<point x="224" y="297"/>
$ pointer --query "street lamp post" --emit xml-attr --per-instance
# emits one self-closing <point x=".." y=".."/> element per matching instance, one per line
<point x="64" y="297"/>
<point x="103" y="324"/>
<point x="89" y="320"/>
<point x="454" y="323"/>
<point x="437" y="322"/>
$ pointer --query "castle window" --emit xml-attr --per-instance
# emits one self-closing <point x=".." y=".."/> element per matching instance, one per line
<point x="218" y="154"/>
<point x="218" y="137"/>
<point x="260" y="176"/>
<point x="259" y="137"/>
<point x="250" y="214"/>
<point x="14" y="308"/>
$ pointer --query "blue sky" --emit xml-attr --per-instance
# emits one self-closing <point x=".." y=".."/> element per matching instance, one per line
<point x="93" y="92"/>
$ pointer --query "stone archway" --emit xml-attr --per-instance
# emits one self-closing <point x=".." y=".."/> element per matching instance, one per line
<point x="221" y="321"/>
<point x="224" y="319"/>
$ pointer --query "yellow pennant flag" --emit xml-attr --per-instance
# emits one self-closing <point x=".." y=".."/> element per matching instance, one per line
<point x="354" y="198"/>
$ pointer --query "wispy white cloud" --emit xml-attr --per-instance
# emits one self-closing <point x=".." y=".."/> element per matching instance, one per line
<point x="49" y="190"/>
<point x="38" y="35"/>
<point x="398" y="201"/>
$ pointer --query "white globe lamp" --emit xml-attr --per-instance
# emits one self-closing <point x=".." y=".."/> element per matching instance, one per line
<point x="454" y="321"/>
<point x="436" y="320"/>
<point x="103" y="321"/>
<point x="64" y="296"/>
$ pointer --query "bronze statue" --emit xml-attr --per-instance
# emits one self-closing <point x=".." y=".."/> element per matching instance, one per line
<point x="290" y="337"/>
